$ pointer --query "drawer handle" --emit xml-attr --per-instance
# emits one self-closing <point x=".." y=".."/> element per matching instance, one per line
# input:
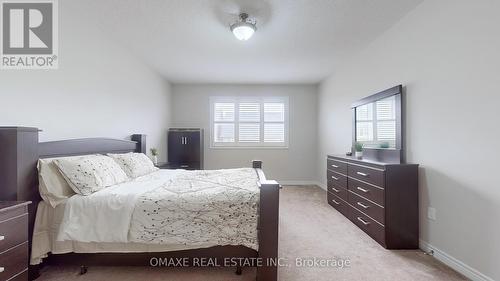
<point x="335" y="178"/>
<point x="2" y="237"/>
<point x="363" y="221"/>
<point x="363" y="205"/>
<point x="335" y="166"/>
<point x="335" y="202"/>
<point x="336" y="190"/>
<point x="362" y="189"/>
<point x="362" y="174"/>
<point x="184" y="166"/>
<point x="2" y="269"/>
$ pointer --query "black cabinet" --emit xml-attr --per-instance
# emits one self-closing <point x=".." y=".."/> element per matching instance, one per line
<point x="185" y="148"/>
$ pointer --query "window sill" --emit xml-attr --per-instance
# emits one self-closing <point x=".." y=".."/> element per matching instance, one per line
<point x="250" y="147"/>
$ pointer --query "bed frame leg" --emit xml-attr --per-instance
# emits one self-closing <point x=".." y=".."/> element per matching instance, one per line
<point x="34" y="271"/>
<point x="83" y="269"/>
<point x="239" y="270"/>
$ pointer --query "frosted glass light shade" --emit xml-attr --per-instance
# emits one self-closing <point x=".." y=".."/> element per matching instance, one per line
<point x="243" y="31"/>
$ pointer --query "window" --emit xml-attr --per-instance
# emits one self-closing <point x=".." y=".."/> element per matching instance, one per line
<point x="249" y="121"/>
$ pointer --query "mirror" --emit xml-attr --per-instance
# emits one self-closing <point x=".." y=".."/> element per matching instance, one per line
<point x="376" y="123"/>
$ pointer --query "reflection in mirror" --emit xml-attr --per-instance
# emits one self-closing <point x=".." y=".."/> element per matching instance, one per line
<point x="376" y="123"/>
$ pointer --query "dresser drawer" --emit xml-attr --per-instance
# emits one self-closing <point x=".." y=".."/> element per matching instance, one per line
<point x="339" y="204"/>
<point x="367" y="191"/>
<point x="337" y="166"/>
<point x="13" y="212"/>
<point x="14" y="261"/>
<point x="367" y="174"/>
<point x="23" y="276"/>
<point x="375" y="230"/>
<point x="368" y="208"/>
<point x="13" y="232"/>
<point x="338" y="191"/>
<point x="336" y="179"/>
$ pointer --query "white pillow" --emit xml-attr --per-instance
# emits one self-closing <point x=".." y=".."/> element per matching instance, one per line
<point x="88" y="174"/>
<point x="53" y="188"/>
<point x="134" y="164"/>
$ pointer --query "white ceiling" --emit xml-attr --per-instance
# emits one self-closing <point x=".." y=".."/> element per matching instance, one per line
<point x="297" y="41"/>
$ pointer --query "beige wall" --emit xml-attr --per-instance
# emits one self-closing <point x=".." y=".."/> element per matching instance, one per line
<point x="447" y="54"/>
<point x="191" y="108"/>
<point x="99" y="90"/>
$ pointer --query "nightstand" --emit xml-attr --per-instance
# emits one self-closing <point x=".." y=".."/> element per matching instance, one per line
<point x="163" y="165"/>
<point x="14" y="240"/>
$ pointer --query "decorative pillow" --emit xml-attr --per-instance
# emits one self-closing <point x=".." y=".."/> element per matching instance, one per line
<point x="53" y="188"/>
<point x="134" y="164"/>
<point x="88" y="174"/>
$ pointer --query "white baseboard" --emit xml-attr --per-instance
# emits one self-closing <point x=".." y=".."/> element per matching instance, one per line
<point x="320" y="184"/>
<point x="303" y="183"/>
<point x="454" y="263"/>
<point x="297" y="182"/>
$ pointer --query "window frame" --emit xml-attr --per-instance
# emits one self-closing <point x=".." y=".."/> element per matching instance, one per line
<point x="249" y="99"/>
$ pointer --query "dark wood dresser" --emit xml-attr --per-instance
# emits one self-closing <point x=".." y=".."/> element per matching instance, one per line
<point x="185" y="149"/>
<point x="380" y="198"/>
<point x="13" y="240"/>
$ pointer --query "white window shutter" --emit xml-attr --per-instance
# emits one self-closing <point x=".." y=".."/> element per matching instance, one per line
<point x="386" y="108"/>
<point x="274" y="112"/>
<point x="249" y="112"/>
<point x="249" y="121"/>
<point x="249" y="132"/>
<point x="223" y="132"/>
<point x="274" y="132"/>
<point x="274" y="122"/>
<point x="224" y="112"/>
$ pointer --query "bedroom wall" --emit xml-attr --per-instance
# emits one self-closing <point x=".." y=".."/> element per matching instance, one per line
<point x="99" y="90"/>
<point x="446" y="53"/>
<point x="296" y="164"/>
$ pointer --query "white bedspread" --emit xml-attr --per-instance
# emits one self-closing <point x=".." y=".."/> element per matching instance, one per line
<point x="104" y="216"/>
<point x="169" y="207"/>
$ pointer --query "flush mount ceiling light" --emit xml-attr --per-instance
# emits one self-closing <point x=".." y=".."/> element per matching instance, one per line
<point x="244" y="28"/>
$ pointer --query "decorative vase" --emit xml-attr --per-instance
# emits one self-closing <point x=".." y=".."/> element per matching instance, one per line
<point x="155" y="159"/>
<point x="359" y="154"/>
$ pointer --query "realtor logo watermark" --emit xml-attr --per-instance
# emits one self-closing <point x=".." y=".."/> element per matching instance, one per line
<point x="29" y="34"/>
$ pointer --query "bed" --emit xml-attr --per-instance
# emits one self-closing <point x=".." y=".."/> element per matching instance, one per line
<point x="139" y="251"/>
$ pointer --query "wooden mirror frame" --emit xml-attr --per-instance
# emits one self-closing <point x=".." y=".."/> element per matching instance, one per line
<point x="386" y="155"/>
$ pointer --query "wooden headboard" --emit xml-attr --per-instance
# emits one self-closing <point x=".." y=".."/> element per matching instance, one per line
<point x="20" y="151"/>
<point x="90" y="146"/>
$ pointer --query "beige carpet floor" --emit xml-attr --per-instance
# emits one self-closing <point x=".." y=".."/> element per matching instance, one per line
<point x="309" y="228"/>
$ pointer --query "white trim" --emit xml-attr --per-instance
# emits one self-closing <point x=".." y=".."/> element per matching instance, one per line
<point x="298" y="182"/>
<point x="250" y="147"/>
<point x="322" y="185"/>
<point x="454" y="263"/>
<point x="295" y="182"/>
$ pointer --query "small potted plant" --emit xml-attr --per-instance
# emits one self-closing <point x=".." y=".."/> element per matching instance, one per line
<point x="358" y="149"/>
<point x="154" y="152"/>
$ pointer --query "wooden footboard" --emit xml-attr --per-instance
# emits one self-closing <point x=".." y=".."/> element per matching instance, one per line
<point x="268" y="226"/>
